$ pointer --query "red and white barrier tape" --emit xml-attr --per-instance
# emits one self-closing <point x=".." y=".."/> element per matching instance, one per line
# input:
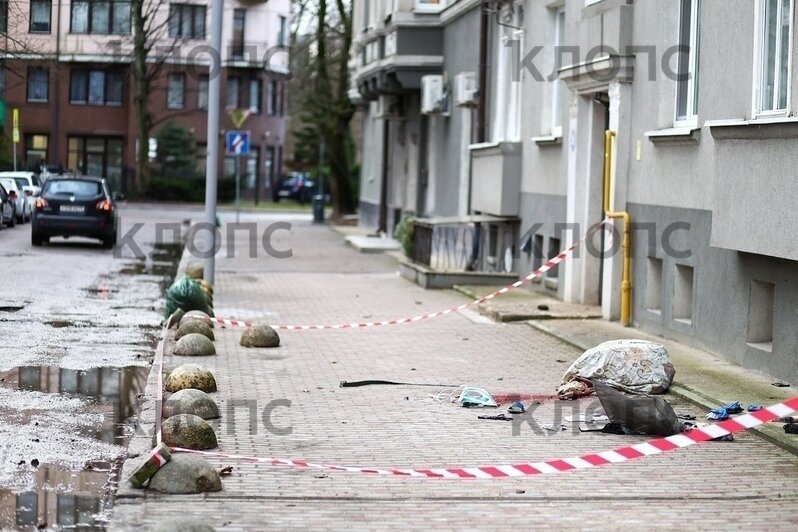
<point x="622" y="454"/>
<point x="549" y="265"/>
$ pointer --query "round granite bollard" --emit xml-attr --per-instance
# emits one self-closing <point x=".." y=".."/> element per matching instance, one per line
<point x="185" y="474"/>
<point x="174" y="319"/>
<point x="184" y="526"/>
<point x="197" y="315"/>
<point x="195" y="327"/>
<point x="191" y="401"/>
<point x="195" y="271"/>
<point x="189" y="432"/>
<point x="260" y="336"/>
<point x="194" y="345"/>
<point x="190" y="376"/>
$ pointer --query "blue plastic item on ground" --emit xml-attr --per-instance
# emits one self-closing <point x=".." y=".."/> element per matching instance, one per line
<point x="734" y="408"/>
<point x="755" y="408"/>
<point x="517" y="408"/>
<point x="719" y="414"/>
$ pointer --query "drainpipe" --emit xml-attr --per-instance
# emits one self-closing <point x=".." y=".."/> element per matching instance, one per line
<point x="483" y="73"/>
<point x="57" y="98"/>
<point x="626" y="285"/>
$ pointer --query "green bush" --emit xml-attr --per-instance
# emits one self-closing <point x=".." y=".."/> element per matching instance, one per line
<point x="405" y="233"/>
<point x="190" y="190"/>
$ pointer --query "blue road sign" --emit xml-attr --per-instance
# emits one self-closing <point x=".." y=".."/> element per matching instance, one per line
<point x="238" y="142"/>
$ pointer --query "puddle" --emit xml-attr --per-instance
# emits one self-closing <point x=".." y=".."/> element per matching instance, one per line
<point x="69" y="499"/>
<point x="11" y="308"/>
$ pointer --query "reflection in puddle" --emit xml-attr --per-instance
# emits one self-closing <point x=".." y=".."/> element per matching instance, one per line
<point x="114" y="392"/>
<point x="50" y="507"/>
<point x="75" y="499"/>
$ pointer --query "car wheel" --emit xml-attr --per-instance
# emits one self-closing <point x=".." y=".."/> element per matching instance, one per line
<point x="13" y="221"/>
<point x="36" y="239"/>
<point x="108" y="242"/>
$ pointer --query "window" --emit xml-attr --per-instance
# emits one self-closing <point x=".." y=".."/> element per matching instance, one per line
<point x="239" y="21"/>
<point x="282" y="37"/>
<point x="202" y="92"/>
<point x="100" y="16"/>
<point x="96" y="156"/>
<point x="774" y="40"/>
<point x="271" y="98"/>
<point x="176" y="91"/>
<point x="254" y="95"/>
<point x="3" y="16"/>
<point x="557" y="84"/>
<point x="95" y="87"/>
<point x="40" y="13"/>
<point x="36" y="151"/>
<point x="187" y="21"/>
<point x="233" y="92"/>
<point x="38" y="84"/>
<point x="687" y="70"/>
<point x="505" y="88"/>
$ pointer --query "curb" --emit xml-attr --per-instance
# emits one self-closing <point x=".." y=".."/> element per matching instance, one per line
<point x="772" y="433"/>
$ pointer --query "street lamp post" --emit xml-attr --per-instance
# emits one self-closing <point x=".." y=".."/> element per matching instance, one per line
<point x="212" y="160"/>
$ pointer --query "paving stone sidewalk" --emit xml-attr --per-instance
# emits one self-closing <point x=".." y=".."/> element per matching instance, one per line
<point x="741" y="485"/>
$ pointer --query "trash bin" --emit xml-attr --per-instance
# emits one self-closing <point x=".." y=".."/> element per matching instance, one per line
<point x="318" y="209"/>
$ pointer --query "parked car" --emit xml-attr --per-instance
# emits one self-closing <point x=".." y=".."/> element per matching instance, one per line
<point x="27" y="181"/>
<point x="75" y="206"/>
<point x="8" y="215"/>
<point x="297" y="186"/>
<point x="22" y="204"/>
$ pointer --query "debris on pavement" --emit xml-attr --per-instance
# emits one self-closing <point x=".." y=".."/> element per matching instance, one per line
<point x="154" y="461"/>
<point x="500" y="417"/>
<point x="467" y="396"/>
<point x="358" y="384"/>
<point x="791" y="428"/>
<point x="780" y="384"/>
<point x="635" y="366"/>
<point x="638" y="414"/>
<point x="723" y="413"/>
<point x="188" y="295"/>
<point x="226" y="471"/>
<point x="755" y="408"/>
<point x="517" y="408"/>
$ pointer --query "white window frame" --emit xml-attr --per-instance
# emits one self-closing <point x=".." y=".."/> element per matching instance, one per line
<point x="759" y="63"/>
<point x="691" y="119"/>
<point x="506" y="124"/>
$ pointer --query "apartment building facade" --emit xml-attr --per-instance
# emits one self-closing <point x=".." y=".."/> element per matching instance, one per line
<point x="701" y="97"/>
<point x="66" y="67"/>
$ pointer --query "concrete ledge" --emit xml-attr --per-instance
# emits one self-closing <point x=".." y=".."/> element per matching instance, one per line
<point x="372" y="244"/>
<point x="436" y="280"/>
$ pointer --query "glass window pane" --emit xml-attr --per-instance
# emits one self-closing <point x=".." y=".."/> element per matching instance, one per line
<point x="202" y="98"/>
<point x="78" y="88"/>
<point x="100" y="17"/>
<point x="114" y="88"/>
<point x="232" y="92"/>
<point x="174" y="21"/>
<point x="175" y="91"/>
<point x="254" y="95"/>
<point x="185" y="22"/>
<point x="199" y="22"/>
<point x="784" y="54"/>
<point x="769" y="54"/>
<point x="80" y="17"/>
<point x="95" y="145"/>
<point x="40" y="16"/>
<point x="121" y="20"/>
<point x="96" y="87"/>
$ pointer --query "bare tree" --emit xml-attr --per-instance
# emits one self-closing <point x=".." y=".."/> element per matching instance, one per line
<point x="151" y="48"/>
<point x="325" y="108"/>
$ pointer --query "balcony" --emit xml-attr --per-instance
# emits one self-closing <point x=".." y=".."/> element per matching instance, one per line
<point x="393" y="54"/>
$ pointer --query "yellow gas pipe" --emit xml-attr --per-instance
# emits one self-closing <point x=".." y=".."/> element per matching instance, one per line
<point x="626" y="285"/>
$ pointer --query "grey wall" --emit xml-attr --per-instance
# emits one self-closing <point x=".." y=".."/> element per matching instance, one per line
<point x="461" y="54"/>
<point x="721" y="292"/>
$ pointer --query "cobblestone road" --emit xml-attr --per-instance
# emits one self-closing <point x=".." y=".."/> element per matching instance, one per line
<point x="741" y="485"/>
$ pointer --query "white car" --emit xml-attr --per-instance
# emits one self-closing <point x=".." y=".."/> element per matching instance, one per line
<point x="22" y="203"/>
<point x="27" y="181"/>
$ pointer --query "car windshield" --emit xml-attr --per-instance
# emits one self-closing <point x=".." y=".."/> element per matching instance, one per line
<point x="22" y="182"/>
<point x="85" y="189"/>
<point x="8" y="184"/>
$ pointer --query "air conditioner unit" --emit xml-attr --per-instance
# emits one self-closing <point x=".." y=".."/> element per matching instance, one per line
<point x="389" y="107"/>
<point x="465" y="89"/>
<point x="434" y="96"/>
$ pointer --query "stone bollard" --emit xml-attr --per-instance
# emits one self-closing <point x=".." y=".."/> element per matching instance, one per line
<point x="186" y="474"/>
<point x="195" y="327"/>
<point x="194" y="345"/>
<point x="189" y="432"/>
<point x="191" y="401"/>
<point x="260" y="336"/>
<point x="190" y="376"/>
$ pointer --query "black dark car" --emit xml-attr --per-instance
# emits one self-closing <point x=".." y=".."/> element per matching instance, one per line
<point x="74" y="206"/>
<point x="8" y="215"/>
<point x="297" y="186"/>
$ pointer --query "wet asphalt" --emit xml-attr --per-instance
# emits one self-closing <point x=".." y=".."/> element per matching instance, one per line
<point x="78" y="326"/>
